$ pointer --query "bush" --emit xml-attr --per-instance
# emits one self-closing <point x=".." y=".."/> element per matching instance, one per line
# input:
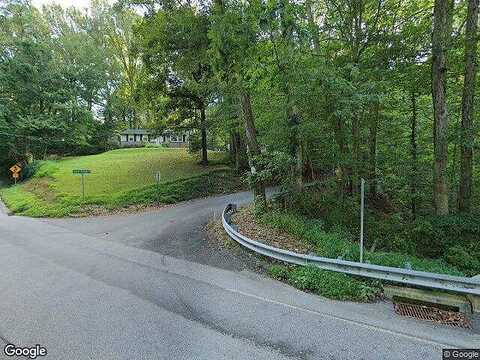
<point x="461" y="258"/>
<point x="326" y="283"/>
<point x="338" y="242"/>
<point x="31" y="169"/>
<point x="278" y="272"/>
<point x="433" y="235"/>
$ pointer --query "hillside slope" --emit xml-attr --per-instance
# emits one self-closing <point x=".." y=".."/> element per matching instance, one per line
<point x="118" y="179"/>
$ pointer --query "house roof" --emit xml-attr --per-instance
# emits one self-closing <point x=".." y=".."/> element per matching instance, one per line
<point x="135" y="132"/>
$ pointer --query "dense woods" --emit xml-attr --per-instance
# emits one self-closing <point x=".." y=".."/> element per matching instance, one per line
<point x="296" y="91"/>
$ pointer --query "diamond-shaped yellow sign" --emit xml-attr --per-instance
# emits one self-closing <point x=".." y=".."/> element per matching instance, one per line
<point x="15" y="169"/>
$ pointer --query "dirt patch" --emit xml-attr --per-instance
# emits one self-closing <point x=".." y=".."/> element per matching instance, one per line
<point x="41" y="188"/>
<point x="248" y="226"/>
<point x="99" y="210"/>
<point x="238" y="257"/>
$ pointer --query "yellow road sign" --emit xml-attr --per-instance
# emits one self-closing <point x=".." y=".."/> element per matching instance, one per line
<point x="15" y="169"/>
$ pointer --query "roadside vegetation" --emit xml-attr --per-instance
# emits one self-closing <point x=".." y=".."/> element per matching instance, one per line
<point x="119" y="178"/>
<point x="297" y="92"/>
<point x="319" y="223"/>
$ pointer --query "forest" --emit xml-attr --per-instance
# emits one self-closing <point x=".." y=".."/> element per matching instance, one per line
<point x="310" y="95"/>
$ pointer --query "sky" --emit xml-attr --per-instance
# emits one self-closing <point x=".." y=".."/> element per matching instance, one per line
<point x="64" y="3"/>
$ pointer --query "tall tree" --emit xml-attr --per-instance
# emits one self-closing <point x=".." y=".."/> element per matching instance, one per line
<point x="233" y="42"/>
<point x="442" y="26"/>
<point x="467" y="129"/>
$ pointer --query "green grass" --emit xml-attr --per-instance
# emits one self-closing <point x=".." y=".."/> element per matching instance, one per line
<point x="123" y="169"/>
<point x="119" y="178"/>
<point x="338" y="243"/>
<point x="326" y="283"/>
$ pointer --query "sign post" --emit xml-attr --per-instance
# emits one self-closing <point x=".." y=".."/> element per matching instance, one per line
<point x="15" y="169"/>
<point x="362" y="207"/>
<point x="82" y="172"/>
<point x="157" y="179"/>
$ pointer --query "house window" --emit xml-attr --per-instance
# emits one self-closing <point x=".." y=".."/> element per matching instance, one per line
<point x="130" y="138"/>
<point x="173" y="138"/>
<point x="184" y="138"/>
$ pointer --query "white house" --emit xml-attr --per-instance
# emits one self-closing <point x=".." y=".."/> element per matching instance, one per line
<point x="140" y="137"/>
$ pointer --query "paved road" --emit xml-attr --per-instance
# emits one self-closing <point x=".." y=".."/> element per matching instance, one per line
<point x="176" y="231"/>
<point x="85" y="294"/>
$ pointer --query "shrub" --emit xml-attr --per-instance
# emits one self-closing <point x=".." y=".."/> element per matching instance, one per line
<point x="330" y="284"/>
<point x="278" y="272"/>
<point x="31" y="169"/>
<point x="460" y="257"/>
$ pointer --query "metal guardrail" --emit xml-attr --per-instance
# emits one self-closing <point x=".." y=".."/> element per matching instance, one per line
<point x="456" y="284"/>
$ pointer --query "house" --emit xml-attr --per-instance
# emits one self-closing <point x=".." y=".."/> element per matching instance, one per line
<point x="140" y="137"/>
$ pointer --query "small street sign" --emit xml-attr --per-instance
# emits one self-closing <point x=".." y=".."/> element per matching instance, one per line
<point x="15" y="169"/>
<point x="82" y="172"/>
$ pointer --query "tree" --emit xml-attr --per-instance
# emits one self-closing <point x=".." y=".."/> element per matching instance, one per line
<point x="442" y="26"/>
<point x="467" y="128"/>
<point x="233" y="41"/>
<point x="175" y="45"/>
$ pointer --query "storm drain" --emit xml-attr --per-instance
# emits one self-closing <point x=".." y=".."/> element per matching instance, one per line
<point x="428" y="313"/>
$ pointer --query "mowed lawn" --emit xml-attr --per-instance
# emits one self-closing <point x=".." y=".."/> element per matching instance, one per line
<point x="118" y="178"/>
<point x="126" y="169"/>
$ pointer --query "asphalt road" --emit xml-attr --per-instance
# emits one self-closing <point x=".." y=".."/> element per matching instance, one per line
<point x="143" y="287"/>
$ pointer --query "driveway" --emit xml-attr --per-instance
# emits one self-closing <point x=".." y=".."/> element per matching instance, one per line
<point x="176" y="231"/>
<point x="143" y="287"/>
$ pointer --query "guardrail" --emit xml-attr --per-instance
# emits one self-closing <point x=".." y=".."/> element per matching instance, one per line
<point x="456" y="284"/>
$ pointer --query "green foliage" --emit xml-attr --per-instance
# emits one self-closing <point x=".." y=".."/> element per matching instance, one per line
<point x="326" y="283"/>
<point x="463" y="259"/>
<point x="118" y="179"/>
<point x="337" y="242"/>
<point x="30" y="170"/>
<point x="60" y="79"/>
<point x="433" y="234"/>
<point x="214" y="182"/>
<point x="271" y="167"/>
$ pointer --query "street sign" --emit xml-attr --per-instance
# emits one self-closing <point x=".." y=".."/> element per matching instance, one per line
<point x="15" y="169"/>
<point x="82" y="172"/>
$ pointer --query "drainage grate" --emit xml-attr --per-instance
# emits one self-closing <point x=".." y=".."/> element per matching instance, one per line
<point x="429" y="313"/>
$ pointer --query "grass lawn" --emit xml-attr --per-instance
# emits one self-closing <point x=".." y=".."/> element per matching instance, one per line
<point x="118" y="178"/>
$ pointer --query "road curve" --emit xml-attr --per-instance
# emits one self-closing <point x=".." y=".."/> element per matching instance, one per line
<point x="129" y="287"/>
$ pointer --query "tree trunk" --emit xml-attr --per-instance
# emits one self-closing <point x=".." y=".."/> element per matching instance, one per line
<point x="253" y="146"/>
<point x="373" y="152"/>
<point x="442" y="23"/>
<point x="299" y="168"/>
<point x="233" y="147"/>
<point x="467" y="130"/>
<point x="355" y="152"/>
<point x="203" y="128"/>
<point x="296" y="145"/>
<point x="413" y="151"/>
<point x="340" y="171"/>
<point x="241" y="162"/>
